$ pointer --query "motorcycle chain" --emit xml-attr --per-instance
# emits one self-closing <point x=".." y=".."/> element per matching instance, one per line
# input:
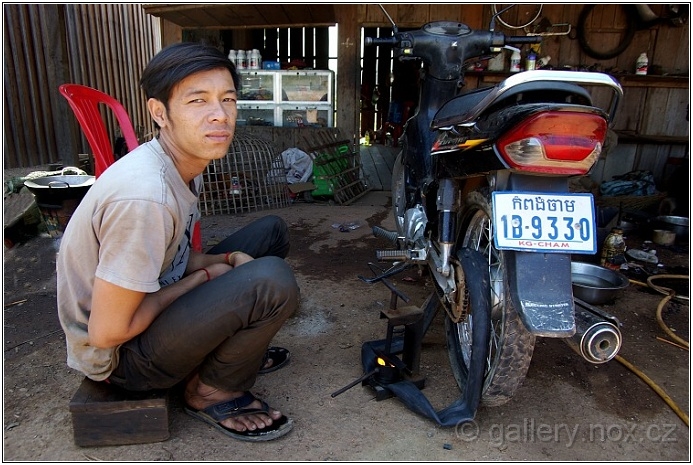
<point x="458" y="310"/>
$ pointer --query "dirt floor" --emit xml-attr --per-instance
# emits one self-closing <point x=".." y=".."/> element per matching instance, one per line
<point x="566" y="410"/>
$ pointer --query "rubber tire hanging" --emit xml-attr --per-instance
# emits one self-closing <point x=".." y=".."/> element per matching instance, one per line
<point x="620" y="47"/>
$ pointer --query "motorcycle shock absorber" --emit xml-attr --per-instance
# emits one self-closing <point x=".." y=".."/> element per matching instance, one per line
<point x="446" y="203"/>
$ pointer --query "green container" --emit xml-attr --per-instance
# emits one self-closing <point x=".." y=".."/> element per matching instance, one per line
<point x="326" y="171"/>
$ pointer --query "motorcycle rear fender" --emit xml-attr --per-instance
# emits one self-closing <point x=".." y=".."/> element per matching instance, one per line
<point x="541" y="290"/>
<point x="540" y="284"/>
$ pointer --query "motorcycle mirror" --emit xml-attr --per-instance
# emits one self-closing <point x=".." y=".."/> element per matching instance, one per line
<point x="394" y="26"/>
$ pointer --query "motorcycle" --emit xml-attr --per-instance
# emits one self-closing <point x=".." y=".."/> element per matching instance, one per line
<point x="484" y="175"/>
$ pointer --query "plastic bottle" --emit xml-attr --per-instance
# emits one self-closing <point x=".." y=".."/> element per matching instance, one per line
<point x="641" y="64"/>
<point x="232" y="56"/>
<point x="613" y="251"/>
<point x="253" y="59"/>
<point x="515" y="61"/>
<point x="531" y="60"/>
<point x="256" y="59"/>
<point x="235" y="186"/>
<point x="241" y="62"/>
<point x="543" y="62"/>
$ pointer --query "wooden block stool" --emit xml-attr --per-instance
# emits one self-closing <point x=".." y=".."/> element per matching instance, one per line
<point x="106" y="415"/>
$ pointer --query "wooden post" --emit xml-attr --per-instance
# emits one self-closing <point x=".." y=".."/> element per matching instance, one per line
<point x="57" y="72"/>
<point x="348" y="82"/>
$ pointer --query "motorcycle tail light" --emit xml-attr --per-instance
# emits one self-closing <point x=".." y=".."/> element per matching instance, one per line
<point x="554" y="142"/>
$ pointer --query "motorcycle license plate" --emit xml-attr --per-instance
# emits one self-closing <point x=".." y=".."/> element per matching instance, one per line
<point x="544" y="222"/>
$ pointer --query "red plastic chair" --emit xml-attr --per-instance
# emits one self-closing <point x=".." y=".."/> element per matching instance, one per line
<point x="85" y="102"/>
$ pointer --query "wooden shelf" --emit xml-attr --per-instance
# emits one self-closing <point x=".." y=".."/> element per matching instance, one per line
<point x="629" y="137"/>
<point x="633" y="80"/>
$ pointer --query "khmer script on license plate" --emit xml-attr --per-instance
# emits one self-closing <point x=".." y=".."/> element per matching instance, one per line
<point x="544" y="222"/>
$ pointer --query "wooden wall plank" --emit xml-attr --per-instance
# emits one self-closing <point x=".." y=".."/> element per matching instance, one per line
<point x="16" y="145"/>
<point x="444" y="12"/>
<point x="671" y="60"/>
<point x="475" y="16"/>
<point x="309" y="46"/>
<point x="411" y="15"/>
<point x="295" y="44"/>
<point x="50" y="44"/>
<point x="628" y="117"/>
<point x="322" y="47"/>
<point x="372" y="15"/>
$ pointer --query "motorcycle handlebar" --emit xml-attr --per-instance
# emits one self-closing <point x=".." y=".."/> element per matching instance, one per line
<point x="445" y="45"/>
<point x="522" y="40"/>
<point x="509" y="40"/>
<point x="380" y="41"/>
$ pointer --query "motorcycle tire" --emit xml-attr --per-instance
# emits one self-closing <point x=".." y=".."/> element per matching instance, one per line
<point x="592" y="47"/>
<point x="511" y="346"/>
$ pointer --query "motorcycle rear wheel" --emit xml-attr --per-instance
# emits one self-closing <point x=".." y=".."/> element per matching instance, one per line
<point x="511" y="346"/>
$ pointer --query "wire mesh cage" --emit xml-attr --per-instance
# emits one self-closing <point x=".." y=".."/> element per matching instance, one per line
<point x="250" y="177"/>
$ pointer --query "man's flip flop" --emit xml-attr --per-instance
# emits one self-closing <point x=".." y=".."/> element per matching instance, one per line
<point x="280" y="357"/>
<point x="215" y="414"/>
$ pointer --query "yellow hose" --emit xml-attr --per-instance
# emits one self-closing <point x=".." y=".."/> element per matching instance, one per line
<point x="656" y="388"/>
<point x="670" y="294"/>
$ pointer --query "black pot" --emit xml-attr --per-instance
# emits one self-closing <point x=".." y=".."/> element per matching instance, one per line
<point x="53" y="190"/>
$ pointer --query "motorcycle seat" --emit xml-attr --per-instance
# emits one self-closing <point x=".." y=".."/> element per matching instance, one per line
<point x="463" y="108"/>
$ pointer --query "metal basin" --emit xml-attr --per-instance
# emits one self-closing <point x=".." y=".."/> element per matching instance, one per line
<point x="677" y="224"/>
<point x="595" y="284"/>
<point x="55" y="189"/>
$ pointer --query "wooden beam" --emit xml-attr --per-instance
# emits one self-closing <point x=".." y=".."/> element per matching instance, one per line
<point x="170" y="33"/>
<point x="349" y="50"/>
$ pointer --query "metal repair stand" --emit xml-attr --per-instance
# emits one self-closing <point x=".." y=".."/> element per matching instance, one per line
<point x="410" y="320"/>
<point x="405" y="332"/>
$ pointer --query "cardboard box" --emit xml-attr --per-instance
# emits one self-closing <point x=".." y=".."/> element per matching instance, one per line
<point x="297" y="187"/>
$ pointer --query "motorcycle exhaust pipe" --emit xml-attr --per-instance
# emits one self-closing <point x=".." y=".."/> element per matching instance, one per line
<point x="597" y="337"/>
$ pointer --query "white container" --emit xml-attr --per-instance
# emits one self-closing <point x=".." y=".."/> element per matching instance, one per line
<point x="641" y="64"/>
<point x="255" y="59"/>
<point x="232" y="56"/>
<point x="497" y="63"/>
<point x="241" y="60"/>
<point x="543" y="61"/>
<point x="515" y="59"/>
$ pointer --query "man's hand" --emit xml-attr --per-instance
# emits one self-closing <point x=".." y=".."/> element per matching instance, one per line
<point x="208" y="261"/>
<point x="236" y="259"/>
<point x="217" y="269"/>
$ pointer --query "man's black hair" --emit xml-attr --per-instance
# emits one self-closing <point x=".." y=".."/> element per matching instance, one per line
<point x="178" y="61"/>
